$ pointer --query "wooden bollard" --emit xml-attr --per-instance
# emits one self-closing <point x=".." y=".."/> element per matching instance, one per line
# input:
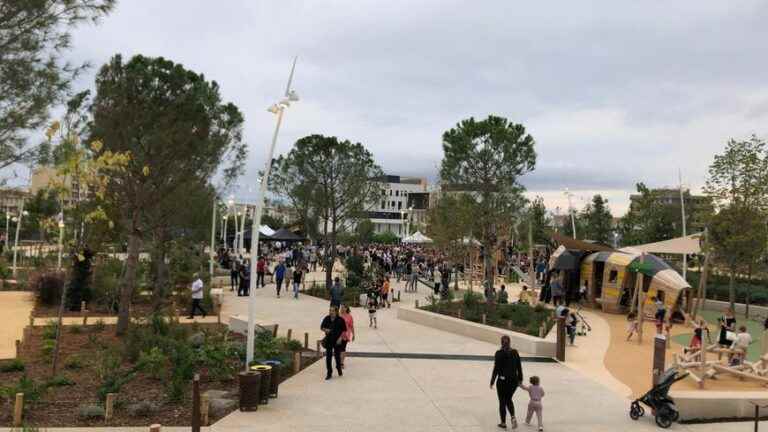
<point x="31" y="320"/>
<point x="204" y="409"/>
<point x="82" y="307"/>
<point x="306" y="340"/>
<point x="18" y="409"/>
<point x="155" y="428"/>
<point x="290" y="333"/>
<point x="109" y="406"/>
<point x="85" y="317"/>
<point x="296" y="362"/>
<point x="483" y="318"/>
<point x="458" y="314"/>
<point x="417" y="304"/>
<point x="274" y="332"/>
<point x="18" y="348"/>
<point x="196" y="403"/>
<point x="541" y="330"/>
<point x="509" y="324"/>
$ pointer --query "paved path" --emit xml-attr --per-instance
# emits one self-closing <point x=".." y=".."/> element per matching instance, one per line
<point x="404" y="394"/>
<point x="16" y="307"/>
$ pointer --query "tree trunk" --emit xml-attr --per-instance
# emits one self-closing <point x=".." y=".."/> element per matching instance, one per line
<point x="160" y="273"/>
<point x="732" y="289"/>
<point x="749" y="288"/>
<point x="331" y="257"/>
<point x="128" y="282"/>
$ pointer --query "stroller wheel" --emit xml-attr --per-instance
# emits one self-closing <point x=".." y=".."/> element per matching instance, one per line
<point x="664" y="417"/>
<point x="635" y="411"/>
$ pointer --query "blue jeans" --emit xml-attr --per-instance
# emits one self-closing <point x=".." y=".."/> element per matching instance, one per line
<point x="296" y="290"/>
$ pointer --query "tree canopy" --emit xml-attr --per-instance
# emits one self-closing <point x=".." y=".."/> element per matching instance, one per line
<point x="34" y="76"/>
<point x="598" y="220"/>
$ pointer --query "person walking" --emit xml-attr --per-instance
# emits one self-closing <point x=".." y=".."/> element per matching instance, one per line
<point x="349" y="334"/>
<point x="334" y="327"/>
<point x="197" y="296"/>
<point x="337" y="292"/>
<point x="385" y="293"/>
<point x="279" y="276"/>
<point x="245" y="280"/>
<point x="261" y="269"/>
<point x="536" y="393"/>
<point x="234" y="275"/>
<point x="507" y="375"/>
<point x="297" y="274"/>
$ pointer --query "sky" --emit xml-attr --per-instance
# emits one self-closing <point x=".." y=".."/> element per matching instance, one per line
<point x="614" y="92"/>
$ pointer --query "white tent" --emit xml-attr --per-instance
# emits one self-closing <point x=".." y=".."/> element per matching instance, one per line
<point x="417" y="238"/>
<point x="690" y="244"/>
<point x="265" y="230"/>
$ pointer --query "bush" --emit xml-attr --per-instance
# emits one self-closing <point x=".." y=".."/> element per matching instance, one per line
<point x="47" y="287"/>
<point x="106" y="280"/>
<point x="291" y="345"/>
<point x="75" y="329"/>
<point x="154" y="363"/>
<point x="50" y="329"/>
<point x="32" y="390"/>
<point x="47" y="348"/>
<point x="266" y="346"/>
<point x="73" y="362"/>
<point x="59" y="381"/>
<point x="14" y="365"/>
<point x="472" y="300"/>
<point x="99" y="326"/>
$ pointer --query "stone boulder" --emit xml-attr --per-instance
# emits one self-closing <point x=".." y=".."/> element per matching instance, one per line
<point x="197" y="340"/>
<point x="142" y="408"/>
<point x="88" y="411"/>
<point x="221" y="407"/>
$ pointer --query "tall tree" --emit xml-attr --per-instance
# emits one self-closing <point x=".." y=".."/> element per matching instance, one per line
<point x="598" y="220"/>
<point x="176" y="129"/>
<point x="34" y="35"/>
<point x="540" y="221"/>
<point x="648" y="219"/>
<point x="485" y="160"/>
<point x="738" y="182"/>
<point x="333" y="179"/>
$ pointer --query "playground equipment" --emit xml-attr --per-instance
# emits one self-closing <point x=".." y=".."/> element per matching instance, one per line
<point x="700" y="369"/>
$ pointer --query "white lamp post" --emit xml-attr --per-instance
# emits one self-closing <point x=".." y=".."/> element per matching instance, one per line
<point x="278" y="109"/>
<point x="7" y="224"/>
<point x="213" y="241"/>
<point x="224" y="229"/>
<point x="241" y="245"/>
<point x="234" y="212"/>
<point x="61" y="238"/>
<point x="570" y="209"/>
<point x="16" y="241"/>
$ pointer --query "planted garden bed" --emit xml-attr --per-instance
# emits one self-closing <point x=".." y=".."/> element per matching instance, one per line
<point x="520" y="318"/>
<point x="150" y="369"/>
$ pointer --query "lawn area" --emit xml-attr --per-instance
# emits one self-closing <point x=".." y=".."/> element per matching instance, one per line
<point x="754" y="327"/>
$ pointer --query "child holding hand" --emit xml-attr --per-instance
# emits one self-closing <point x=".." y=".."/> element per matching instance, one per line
<point x="536" y="393"/>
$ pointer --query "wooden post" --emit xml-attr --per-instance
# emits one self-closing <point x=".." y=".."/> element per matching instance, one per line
<point x="296" y="362"/>
<point x="459" y="313"/>
<point x="31" y="320"/>
<point x="290" y="333"/>
<point x="18" y="409"/>
<point x="109" y="406"/>
<point x="417" y="303"/>
<point x="204" y="409"/>
<point x="306" y="340"/>
<point x="274" y="331"/>
<point x="640" y="300"/>
<point x="196" y="404"/>
<point x="659" y="352"/>
<point x="85" y="317"/>
<point x="509" y="324"/>
<point x="155" y="428"/>
<point x="18" y="348"/>
<point x="483" y="318"/>
<point x="541" y="330"/>
<point x="82" y="307"/>
<point x="560" y="351"/>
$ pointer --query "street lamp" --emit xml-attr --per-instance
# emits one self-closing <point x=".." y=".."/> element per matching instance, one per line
<point x="213" y="241"/>
<point x="278" y="109"/>
<point x="61" y="238"/>
<point x="22" y="212"/>
<point x="231" y="203"/>
<point x="7" y="224"/>
<point x="570" y="209"/>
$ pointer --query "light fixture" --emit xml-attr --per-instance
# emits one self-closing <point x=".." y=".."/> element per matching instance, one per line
<point x="61" y="224"/>
<point x="274" y="109"/>
<point x="293" y="96"/>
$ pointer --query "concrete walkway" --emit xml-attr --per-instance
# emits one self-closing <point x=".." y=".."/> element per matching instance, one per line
<point x="15" y="307"/>
<point x="378" y="394"/>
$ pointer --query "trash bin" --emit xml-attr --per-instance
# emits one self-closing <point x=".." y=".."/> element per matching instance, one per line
<point x="266" y="382"/>
<point x="250" y="390"/>
<point x="277" y="371"/>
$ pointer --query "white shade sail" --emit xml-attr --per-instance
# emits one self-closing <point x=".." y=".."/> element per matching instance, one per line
<point x="417" y="238"/>
<point x="690" y="244"/>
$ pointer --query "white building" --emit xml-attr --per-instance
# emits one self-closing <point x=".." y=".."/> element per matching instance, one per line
<point x="391" y="213"/>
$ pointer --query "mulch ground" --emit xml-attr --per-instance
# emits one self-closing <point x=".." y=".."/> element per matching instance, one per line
<point x="59" y="406"/>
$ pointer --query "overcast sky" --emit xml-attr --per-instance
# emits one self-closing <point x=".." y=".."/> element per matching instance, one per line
<point x="614" y="92"/>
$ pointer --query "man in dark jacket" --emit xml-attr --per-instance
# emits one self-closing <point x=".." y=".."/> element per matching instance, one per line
<point x="334" y="327"/>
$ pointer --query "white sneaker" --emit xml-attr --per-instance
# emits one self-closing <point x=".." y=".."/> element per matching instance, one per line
<point x="513" y="423"/>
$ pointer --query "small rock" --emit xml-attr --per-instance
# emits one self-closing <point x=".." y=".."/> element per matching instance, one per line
<point x="90" y="411"/>
<point x="142" y="408"/>
<point x="221" y="407"/>
<point x="217" y="394"/>
<point x="197" y="339"/>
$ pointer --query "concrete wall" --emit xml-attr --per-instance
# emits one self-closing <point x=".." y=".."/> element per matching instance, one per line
<point x="695" y="405"/>
<point x="520" y="341"/>
<point x="721" y="306"/>
<point x="239" y="324"/>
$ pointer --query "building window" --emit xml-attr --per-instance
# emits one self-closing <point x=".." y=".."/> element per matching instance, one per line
<point x="383" y="204"/>
<point x="393" y="204"/>
<point x="399" y="205"/>
<point x="397" y="193"/>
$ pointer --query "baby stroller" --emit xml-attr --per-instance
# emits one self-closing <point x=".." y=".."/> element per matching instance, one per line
<point x="657" y="398"/>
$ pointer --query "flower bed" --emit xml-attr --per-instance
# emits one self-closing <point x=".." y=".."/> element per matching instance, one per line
<point x="152" y="366"/>
<point x="520" y="318"/>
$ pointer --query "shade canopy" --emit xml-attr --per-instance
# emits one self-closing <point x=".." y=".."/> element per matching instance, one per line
<point x="690" y="244"/>
<point x="285" y="235"/>
<point x="564" y="259"/>
<point x="417" y="238"/>
<point x="574" y="244"/>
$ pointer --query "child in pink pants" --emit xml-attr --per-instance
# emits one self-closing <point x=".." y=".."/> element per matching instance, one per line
<point x="534" y="406"/>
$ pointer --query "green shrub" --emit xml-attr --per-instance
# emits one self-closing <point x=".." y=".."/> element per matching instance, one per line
<point x="472" y="300"/>
<point x="50" y="329"/>
<point x="75" y="329"/>
<point x="47" y="347"/>
<point x="14" y="365"/>
<point x="99" y="325"/>
<point x="73" y="362"/>
<point x="154" y="363"/>
<point x="59" y="381"/>
<point x="32" y="390"/>
<point x="291" y="345"/>
<point x="266" y="346"/>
